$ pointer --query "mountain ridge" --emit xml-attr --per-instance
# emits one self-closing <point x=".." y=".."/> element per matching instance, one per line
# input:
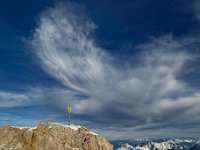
<point x="169" y="144"/>
<point x="51" y="136"/>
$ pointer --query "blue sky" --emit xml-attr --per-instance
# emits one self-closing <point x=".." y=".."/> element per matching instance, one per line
<point x="129" y="69"/>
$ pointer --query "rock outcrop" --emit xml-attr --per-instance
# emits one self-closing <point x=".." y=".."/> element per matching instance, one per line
<point x="51" y="136"/>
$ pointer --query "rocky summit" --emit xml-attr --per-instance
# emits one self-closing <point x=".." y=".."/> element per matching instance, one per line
<point x="51" y="136"/>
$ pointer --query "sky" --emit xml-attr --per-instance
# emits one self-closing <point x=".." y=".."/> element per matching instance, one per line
<point x="129" y="69"/>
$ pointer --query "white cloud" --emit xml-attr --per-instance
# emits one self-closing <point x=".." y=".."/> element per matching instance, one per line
<point x="63" y="43"/>
<point x="32" y="96"/>
<point x="12" y="99"/>
<point x="147" y="131"/>
<point x="149" y="92"/>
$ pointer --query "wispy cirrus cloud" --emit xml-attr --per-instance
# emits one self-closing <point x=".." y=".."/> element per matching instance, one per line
<point x="9" y="99"/>
<point x="15" y="99"/>
<point x="147" y="92"/>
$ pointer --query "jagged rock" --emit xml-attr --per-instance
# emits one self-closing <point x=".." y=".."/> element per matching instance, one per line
<point x="51" y="136"/>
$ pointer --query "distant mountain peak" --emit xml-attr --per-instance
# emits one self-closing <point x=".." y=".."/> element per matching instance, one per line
<point x="170" y="144"/>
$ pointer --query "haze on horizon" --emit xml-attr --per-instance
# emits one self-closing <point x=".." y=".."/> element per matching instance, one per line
<point x="129" y="69"/>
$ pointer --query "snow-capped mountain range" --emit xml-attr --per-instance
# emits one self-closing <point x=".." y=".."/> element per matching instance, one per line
<point x="161" y="144"/>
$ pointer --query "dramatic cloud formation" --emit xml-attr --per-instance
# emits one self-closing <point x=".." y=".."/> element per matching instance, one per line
<point x="147" y="95"/>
